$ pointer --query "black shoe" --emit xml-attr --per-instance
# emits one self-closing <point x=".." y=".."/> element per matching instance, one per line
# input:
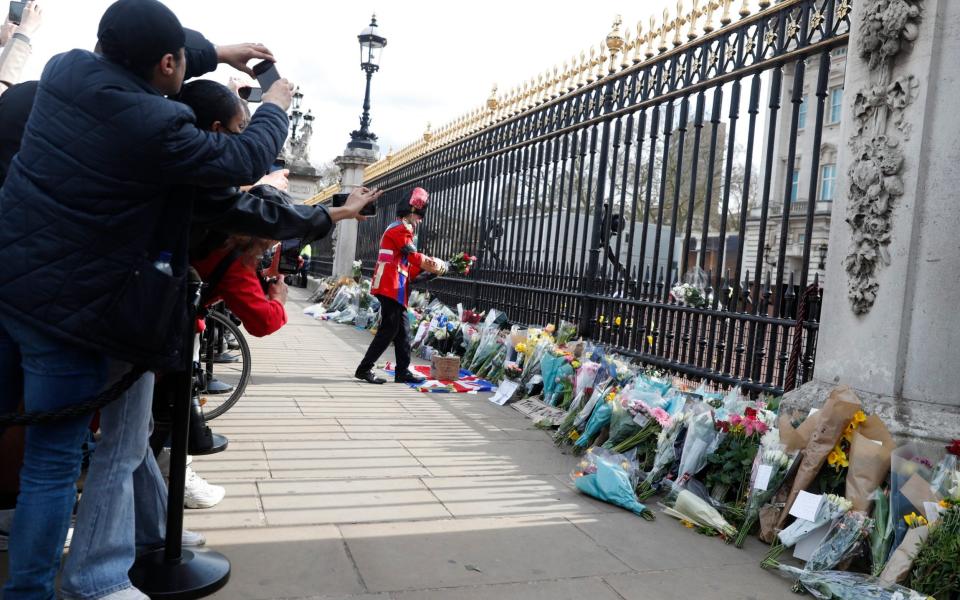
<point x="408" y="378"/>
<point x="369" y="377"/>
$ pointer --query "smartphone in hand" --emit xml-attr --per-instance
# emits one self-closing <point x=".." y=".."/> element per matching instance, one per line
<point x="16" y="11"/>
<point x="251" y="94"/>
<point x="267" y="74"/>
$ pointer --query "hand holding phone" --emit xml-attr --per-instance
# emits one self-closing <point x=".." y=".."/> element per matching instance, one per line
<point x="266" y="74"/>
<point x="15" y="15"/>
<point x="250" y="94"/>
<point x="280" y="93"/>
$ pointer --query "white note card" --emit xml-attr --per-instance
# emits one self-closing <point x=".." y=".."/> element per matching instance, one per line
<point x="764" y="472"/>
<point x="504" y="392"/>
<point x="806" y="506"/>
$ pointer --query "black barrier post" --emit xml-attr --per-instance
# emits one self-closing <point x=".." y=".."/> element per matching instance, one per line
<point x="173" y="572"/>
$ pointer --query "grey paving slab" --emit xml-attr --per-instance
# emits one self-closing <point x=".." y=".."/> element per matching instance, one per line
<point x="289" y="562"/>
<point x="239" y="508"/>
<point x="566" y="589"/>
<point x="738" y="582"/>
<point x="511" y="495"/>
<point x="462" y="552"/>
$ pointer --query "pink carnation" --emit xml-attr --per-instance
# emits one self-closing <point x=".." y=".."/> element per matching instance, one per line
<point x="661" y="416"/>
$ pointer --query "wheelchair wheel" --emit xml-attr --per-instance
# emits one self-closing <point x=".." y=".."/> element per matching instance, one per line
<point x="225" y="365"/>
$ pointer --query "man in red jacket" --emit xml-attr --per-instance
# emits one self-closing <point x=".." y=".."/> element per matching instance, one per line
<point x="398" y="264"/>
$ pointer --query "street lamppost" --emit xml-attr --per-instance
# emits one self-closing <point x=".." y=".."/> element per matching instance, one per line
<point x="296" y="113"/>
<point x="371" y="46"/>
<point x="822" y="250"/>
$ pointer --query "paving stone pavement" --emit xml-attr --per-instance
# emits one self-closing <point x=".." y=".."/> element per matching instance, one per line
<point x="337" y="489"/>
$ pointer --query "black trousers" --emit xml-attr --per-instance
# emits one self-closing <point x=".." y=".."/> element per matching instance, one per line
<point x="393" y="328"/>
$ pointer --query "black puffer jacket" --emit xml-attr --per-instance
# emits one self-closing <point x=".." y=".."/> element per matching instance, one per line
<point x="87" y="207"/>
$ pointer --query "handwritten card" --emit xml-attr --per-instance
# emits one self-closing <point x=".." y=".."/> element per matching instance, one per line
<point x="764" y="472"/>
<point x="806" y="506"/>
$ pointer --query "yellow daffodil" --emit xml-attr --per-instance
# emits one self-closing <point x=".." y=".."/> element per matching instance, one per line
<point x="922" y="520"/>
<point x="601" y="319"/>
<point x="687" y="524"/>
<point x="650" y="340"/>
<point x="832" y="458"/>
<point x="611" y="396"/>
<point x="575" y="364"/>
<point x="521" y="348"/>
<point x="859" y="417"/>
<point x="910" y="519"/>
<point x="842" y="459"/>
<point x="944" y="504"/>
<point x="550" y="328"/>
<point x="617" y="321"/>
<point x="574" y="436"/>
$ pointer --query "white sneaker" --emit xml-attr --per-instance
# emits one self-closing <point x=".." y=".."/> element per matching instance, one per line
<point x="200" y="494"/>
<point x="192" y="539"/>
<point x="130" y="593"/>
<point x="163" y="461"/>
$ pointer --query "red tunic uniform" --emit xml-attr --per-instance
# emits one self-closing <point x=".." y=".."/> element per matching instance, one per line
<point x="395" y="270"/>
<point x="240" y="290"/>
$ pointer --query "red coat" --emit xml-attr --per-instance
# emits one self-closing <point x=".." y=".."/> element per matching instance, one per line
<point x="394" y="270"/>
<point x="241" y="292"/>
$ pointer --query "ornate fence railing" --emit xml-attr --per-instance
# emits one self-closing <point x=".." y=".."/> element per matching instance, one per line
<point x="589" y="195"/>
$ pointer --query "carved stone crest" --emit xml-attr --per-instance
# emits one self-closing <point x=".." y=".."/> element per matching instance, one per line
<point x="875" y="175"/>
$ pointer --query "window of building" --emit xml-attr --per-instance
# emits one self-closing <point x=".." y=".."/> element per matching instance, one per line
<point x="828" y="177"/>
<point x="801" y="238"/>
<point x="841" y="51"/>
<point x="836" y="104"/>
<point x="795" y="186"/>
<point x="802" y="114"/>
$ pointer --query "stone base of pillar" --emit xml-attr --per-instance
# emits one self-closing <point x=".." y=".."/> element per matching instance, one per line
<point x="907" y="419"/>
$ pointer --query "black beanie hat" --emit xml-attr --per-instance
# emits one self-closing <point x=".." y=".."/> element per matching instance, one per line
<point x="138" y="33"/>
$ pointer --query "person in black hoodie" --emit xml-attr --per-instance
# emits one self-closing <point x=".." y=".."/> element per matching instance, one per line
<point x="85" y="210"/>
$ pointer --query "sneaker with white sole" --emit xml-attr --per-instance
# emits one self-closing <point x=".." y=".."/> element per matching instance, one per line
<point x="192" y="539"/>
<point x="200" y="494"/>
<point x="130" y="593"/>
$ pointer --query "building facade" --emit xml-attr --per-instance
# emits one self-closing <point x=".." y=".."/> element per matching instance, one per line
<point x="798" y="175"/>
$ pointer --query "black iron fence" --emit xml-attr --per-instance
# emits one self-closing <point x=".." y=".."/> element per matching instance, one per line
<point x="592" y="205"/>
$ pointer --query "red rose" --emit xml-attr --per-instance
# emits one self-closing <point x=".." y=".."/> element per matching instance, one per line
<point x="954" y="447"/>
<point x="751" y="413"/>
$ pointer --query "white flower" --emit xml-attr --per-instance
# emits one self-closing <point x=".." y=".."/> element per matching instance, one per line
<point x="771" y="438"/>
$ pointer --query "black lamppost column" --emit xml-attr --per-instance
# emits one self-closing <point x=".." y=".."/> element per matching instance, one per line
<point x="371" y="46"/>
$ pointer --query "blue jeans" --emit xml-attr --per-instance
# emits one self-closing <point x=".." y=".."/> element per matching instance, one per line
<point x="124" y="500"/>
<point x="48" y="374"/>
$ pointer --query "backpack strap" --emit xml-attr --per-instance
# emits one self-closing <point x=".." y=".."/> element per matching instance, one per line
<point x="216" y="276"/>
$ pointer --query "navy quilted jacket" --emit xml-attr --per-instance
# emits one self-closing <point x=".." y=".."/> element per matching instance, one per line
<point x="86" y="207"/>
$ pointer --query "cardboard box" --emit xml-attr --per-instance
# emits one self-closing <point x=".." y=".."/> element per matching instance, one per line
<point x="445" y="368"/>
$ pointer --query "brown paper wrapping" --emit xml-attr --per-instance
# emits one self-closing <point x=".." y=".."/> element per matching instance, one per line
<point x="824" y="433"/>
<point x="898" y="567"/>
<point x="869" y="461"/>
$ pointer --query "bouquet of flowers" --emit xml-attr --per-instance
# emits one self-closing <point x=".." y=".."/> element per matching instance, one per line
<point x="461" y="263"/>
<point x="844" y="585"/>
<point x="665" y="456"/>
<point x="730" y="464"/>
<point x="682" y="503"/>
<point x="702" y="439"/>
<point x="647" y="411"/>
<point x="599" y="418"/>
<point x="538" y="344"/>
<point x="556" y="368"/>
<point x="566" y="333"/>
<point x="935" y="568"/>
<point x="691" y="292"/>
<point x="911" y="465"/>
<point x="841" y="542"/>
<point x="512" y="371"/>
<point x="769" y="470"/>
<point x="610" y="477"/>
<point x="357" y="266"/>
<point x="831" y="508"/>
<point x="579" y="412"/>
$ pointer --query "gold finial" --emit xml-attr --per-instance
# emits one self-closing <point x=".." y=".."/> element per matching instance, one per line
<point x="627" y="44"/>
<point x="695" y="14"/>
<point x="590" y="63"/>
<point x="556" y="86"/>
<point x="601" y="60"/>
<point x="638" y="43"/>
<point x="708" y="11"/>
<point x="677" y="24"/>
<point x="725" y="17"/>
<point x="651" y="34"/>
<point x="745" y="9"/>
<point x="492" y="102"/>
<point x="427" y="135"/>
<point x="572" y="74"/>
<point x="615" y="42"/>
<point x="765" y="4"/>
<point x="664" y="28"/>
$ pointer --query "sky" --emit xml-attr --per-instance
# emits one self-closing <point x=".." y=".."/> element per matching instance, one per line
<point x="441" y="57"/>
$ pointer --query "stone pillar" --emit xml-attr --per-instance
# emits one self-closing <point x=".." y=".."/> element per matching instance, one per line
<point x="891" y="310"/>
<point x="355" y="159"/>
